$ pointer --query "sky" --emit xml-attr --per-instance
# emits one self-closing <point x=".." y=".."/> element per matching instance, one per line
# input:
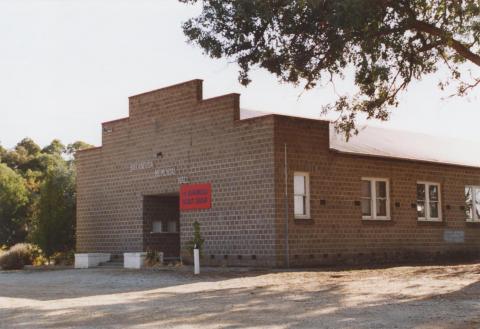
<point x="66" y="66"/>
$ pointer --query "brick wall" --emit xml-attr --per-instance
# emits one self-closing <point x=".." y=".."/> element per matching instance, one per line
<point x="336" y="232"/>
<point x="177" y="133"/>
<point x="204" y="142"/>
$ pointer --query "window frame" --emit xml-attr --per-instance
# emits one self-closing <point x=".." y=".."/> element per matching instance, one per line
<point x="475" y="218"/>
<point x="307" y="195"/>
<point x="169" y="226"/>
<point x="427" y="217"/>
<point x="373" y="198"/>
<point x="161" y="226"/>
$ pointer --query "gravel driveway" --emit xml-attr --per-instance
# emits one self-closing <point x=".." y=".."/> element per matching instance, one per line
<point x="400" y="297"/>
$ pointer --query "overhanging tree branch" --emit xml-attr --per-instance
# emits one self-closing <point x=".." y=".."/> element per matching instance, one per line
<point x="450" y="41"/>
<point x="389" y="43"/>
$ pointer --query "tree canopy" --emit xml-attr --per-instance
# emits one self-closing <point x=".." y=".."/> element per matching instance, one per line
<point x="388" y="43"/>
<point x="37" y="194"/>
<point x="77" y="146"/>
<point x="54" y="226"/>
<point x="3" y="151"/>
<point x="13" y="199"/>
<point x="55" y="147"/>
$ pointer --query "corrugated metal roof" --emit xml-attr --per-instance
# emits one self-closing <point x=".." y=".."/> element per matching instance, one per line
<point x="247" y="114"/>
<point x="407" y="145"/>
<point x="393" y="143"/>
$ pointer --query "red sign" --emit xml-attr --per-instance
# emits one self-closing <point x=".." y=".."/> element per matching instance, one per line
<point x="195" y="196"/>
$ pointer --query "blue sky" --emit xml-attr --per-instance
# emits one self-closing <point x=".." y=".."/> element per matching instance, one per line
<point x="66" y="66"/>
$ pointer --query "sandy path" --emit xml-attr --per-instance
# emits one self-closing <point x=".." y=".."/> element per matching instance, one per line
<point x="401" y="297"/>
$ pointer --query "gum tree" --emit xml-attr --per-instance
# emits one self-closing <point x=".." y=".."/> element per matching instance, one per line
<point x="388" y="43"/>
<point x="54" y="226"/>
<point x="13" y="199"/>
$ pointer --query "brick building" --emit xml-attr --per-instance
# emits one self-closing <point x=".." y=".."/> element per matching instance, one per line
<point x="338" y="207"/>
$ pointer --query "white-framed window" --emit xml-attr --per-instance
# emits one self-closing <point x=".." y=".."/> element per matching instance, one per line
<point x="375" y="200"/>
<point x="172" y="226"/>
<point x="429" y="207"/>
<point x="472" y="203"/>
<point x="157" y="226"/>
<point x="301" y="194"/>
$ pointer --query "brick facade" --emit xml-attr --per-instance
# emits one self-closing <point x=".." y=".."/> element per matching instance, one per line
<point x="336" y="233"/>
<point x="204" y="142"/>
<point x="173" y="135"/>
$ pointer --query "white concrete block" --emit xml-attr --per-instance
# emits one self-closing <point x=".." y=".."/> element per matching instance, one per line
<point x="90" y="259"/>
<point x="134" y="259"/>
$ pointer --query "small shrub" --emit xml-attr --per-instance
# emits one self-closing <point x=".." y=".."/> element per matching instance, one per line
<point x="27" y="251"/>
<point x="18" y="256"/>
<point x="64" y="258"/>
<point x="40" y="260"/>
<point x="197" y="240"/>
<point x="152" y="257"/>
<point x="11" y="261"/>
<point x="34" y="253"/>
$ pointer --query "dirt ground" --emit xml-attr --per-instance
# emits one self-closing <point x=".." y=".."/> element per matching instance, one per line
<point x="399" y="297"/>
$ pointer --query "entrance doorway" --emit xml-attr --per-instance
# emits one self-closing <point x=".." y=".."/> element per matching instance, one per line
<point x="161" y="224"/>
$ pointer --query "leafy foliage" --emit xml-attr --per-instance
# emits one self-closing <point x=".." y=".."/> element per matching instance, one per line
<point x="54" y="226"/>
<point x="13" y="199"/>
<point x="152" y="257"/>
<point x="64" y="258"/>
<point x="37" y="195"/>
<point x="388" y="43"/>
<point x="56" y="147"/>
<point x="197" y="240"/>
<point x="77" y="146"/>
<point x="18" y="256"/>
<point x="3" y="151"/>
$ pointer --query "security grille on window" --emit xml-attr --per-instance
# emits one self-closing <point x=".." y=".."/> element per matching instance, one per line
<point x="472" y="200"/>
<point x="375" y="199"/>
<point x="301" y="192"/>
<point x="428" y="202"/>
<point x="157" y="226"/>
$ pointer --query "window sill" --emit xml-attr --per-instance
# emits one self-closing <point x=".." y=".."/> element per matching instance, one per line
<point x="304" y="221"/>
<point x="164" y="232"/>
<point x="370" y="219"/>
<point x="472" y="221"/>
<point x="302" y="217"/>
<point x="429" y="220"/>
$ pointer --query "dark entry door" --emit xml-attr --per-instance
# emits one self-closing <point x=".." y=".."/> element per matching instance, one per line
<point x="161" y="224"/>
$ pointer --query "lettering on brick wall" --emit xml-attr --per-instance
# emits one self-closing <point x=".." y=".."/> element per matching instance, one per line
<point x="454" y="236"/>
<point x="141" y="165"/>
<point x="164" y="172"/>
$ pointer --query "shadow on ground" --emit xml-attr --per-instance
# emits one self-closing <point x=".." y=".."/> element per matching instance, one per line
<point x="72" y="283"/>
<point x="242" y="300"/>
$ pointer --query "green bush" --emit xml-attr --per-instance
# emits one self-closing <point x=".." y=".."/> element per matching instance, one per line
<point x="54" y="223"/>
<point x="18" y="256"/>
<point x="64" y="258"/>
<point x="197" y="240"/>
<point x="40" y="260"/>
